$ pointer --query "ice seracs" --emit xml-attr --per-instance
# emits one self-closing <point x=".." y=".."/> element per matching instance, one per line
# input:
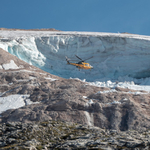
<point x="117" y="57"/>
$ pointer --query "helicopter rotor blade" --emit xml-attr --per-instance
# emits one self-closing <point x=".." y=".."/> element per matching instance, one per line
<point x="73" y="59"/>
<point x="79" y="57"/>
<point x="88" y="58"/>
<point x="70" y="59"/>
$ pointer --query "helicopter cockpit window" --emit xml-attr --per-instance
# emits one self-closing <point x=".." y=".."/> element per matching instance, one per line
<point x="86" y="65"/>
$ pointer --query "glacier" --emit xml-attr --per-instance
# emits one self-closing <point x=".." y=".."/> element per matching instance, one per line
<point x="117" y="57"/>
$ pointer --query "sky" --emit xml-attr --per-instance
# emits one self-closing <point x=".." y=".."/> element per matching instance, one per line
<point x="113" y="16"/>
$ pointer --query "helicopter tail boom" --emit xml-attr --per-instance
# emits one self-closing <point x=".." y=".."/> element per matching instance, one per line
<point x="67" y="60"/>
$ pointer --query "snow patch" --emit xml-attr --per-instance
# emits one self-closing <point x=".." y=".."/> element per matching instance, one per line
<point x="50" y="79"/>
<point x="24" y="80"/>
<point x="85" y="97"/>
<point x="124" y="100"/>
<point x="114" y="102"/>
<point x="14" y="102"/>
<point x="113" y="90"/>
<point x="10" y="65"/>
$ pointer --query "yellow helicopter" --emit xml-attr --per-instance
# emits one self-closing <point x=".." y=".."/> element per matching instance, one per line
<point x="81" y="64"/>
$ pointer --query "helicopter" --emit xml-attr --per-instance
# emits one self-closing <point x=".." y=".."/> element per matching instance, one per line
<point x="81" y="64"/>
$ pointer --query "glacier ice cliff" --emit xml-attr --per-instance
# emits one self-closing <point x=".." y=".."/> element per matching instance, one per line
<point x="117" y="57"/>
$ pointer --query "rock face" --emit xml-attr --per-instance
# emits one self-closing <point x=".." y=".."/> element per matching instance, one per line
<point x="69" y="99"/>
<point x="65" y="136"/>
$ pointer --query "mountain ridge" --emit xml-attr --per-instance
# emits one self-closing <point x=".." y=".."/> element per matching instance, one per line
<point x="15" y="29"/>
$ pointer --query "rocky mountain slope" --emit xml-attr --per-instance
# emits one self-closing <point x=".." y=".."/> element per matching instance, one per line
<point x="70" y="100"/>
<point x="60" y="135"/>
<point x="57" y="113"/>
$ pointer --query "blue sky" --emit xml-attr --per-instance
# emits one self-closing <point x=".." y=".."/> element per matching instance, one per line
<point x="77" y="15"/>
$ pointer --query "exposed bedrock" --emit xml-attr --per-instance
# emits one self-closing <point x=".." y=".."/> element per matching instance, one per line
<point x="55" y="98"/>
<point x="65" y="100"/>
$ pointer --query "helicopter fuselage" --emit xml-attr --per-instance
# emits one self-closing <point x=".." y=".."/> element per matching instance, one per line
<point x="82" y="65"/>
